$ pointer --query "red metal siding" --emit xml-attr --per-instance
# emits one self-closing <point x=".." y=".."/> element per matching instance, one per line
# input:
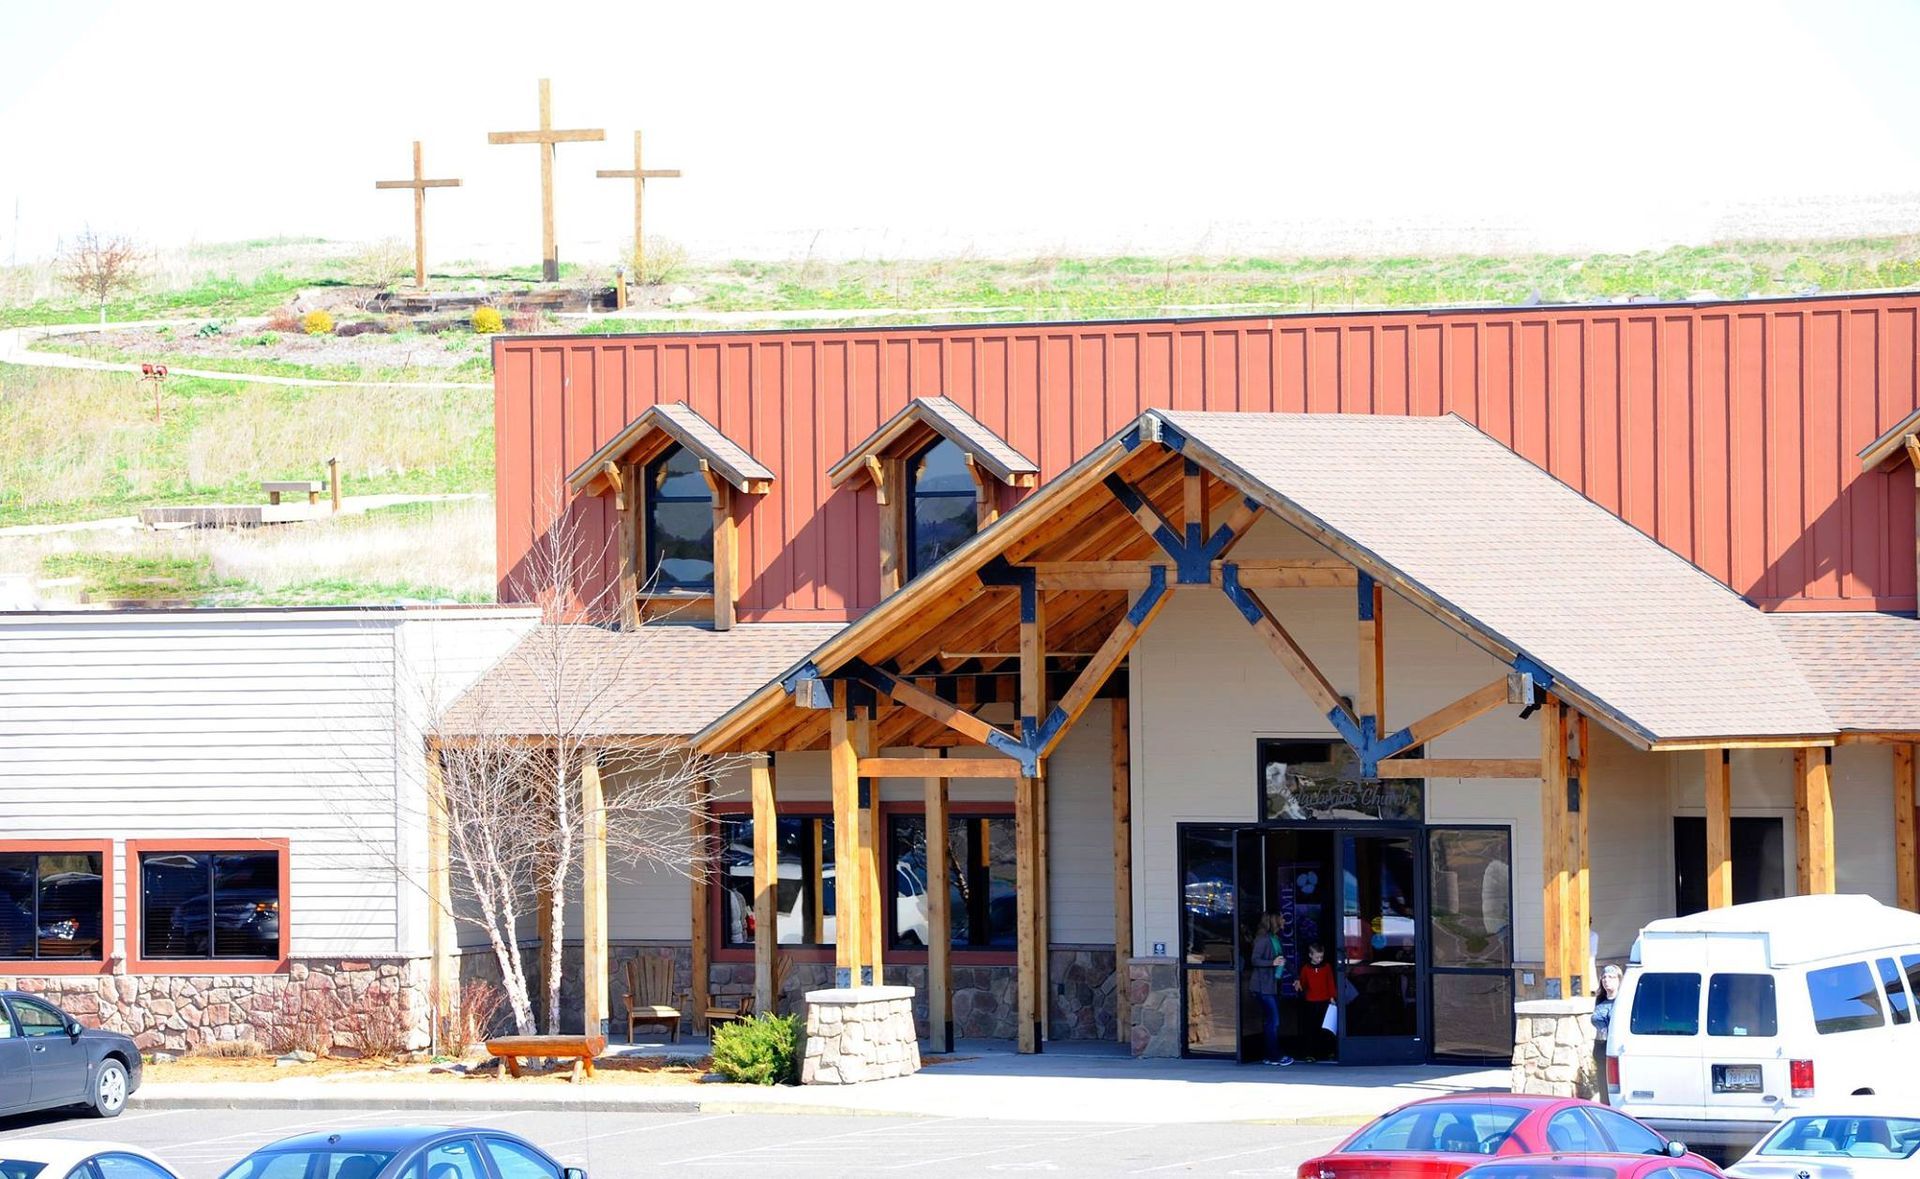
<point x="1726" y="431"/>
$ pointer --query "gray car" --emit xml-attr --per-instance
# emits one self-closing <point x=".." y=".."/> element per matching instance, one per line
<point x="403" y="1152"/>
<point x="49" y="1060"/>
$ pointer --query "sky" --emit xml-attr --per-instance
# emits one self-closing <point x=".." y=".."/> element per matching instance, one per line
<point x="992" y="129"/>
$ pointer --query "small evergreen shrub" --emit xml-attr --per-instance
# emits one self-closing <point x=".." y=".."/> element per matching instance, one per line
<point x="317" y="323"/>
<point x="764" y="1050"/>
<point x="487" y="321"/>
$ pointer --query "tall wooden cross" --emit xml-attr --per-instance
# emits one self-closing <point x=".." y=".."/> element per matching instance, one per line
<point x="419" y="184"/>
<point x="545" y="137"/>
<point x="639" y="174"/>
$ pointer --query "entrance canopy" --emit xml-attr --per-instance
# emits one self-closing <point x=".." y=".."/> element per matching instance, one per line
<point x="1577" y="602"/>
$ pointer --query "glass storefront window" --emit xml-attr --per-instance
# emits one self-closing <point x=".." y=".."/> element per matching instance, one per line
<point x="803" y="890"/>
<point x="1207" y="896"/>
<point x="981" y="881"/>
<point x="50" y="905"/>
<point x="1301" y="781"/>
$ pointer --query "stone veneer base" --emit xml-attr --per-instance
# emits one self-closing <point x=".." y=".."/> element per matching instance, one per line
<point x="859" y="1034"/>
<point x="1553" y="1047"/>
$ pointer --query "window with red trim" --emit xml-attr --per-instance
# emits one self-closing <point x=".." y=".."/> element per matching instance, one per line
<point x="981" y="881"/>
<point x="53" y="905"/>
<point x="803" y="889"/>
<point x="202" y="905"/>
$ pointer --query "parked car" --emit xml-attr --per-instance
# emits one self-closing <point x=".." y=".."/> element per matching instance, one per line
<point x="416" y="1152"/>
<point x="49" y="1060"/>
<point x="1444" y="1137"/>
<point x="1595" y="1166"/>
<point x="73" y="1158"/>
<point x="1859" y="1138"/>
<point x="1731" y="1020"/>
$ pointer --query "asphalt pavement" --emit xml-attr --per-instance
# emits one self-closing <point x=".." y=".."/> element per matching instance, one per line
<point x="201" y="1144"/>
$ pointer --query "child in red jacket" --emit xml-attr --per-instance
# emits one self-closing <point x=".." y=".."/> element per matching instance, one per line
<point x="1317" y="990"/>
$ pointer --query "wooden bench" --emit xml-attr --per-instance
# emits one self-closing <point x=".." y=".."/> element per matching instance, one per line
<point x="275" y="488"/>
<point x="579" y="1049"/>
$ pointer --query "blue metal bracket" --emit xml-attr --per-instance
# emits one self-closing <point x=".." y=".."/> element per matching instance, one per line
<point x="1192" y="557"/>
<point x="807" y="687"/>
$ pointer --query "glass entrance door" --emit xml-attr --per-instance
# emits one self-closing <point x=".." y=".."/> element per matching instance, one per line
<point x="1379" y="957"/>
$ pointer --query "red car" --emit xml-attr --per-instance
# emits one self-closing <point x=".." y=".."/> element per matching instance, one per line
<point x="1444" y="1137"/>
<point x="1595" y="1166"/>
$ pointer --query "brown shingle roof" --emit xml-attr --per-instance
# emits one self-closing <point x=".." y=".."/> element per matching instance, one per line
<point x="944" y="416"/>
<point x="1864" y="667"/>
<point x="662" y="680"/>
<point x="727" y="457"/>
<point x="1531" y="563"/>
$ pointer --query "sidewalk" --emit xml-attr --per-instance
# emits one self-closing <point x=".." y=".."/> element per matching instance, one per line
<point x="1068" y="1083"/>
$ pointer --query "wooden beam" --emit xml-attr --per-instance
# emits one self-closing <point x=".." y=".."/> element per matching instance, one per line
<point x="443" y="936"/>
<point x="726" y="547"/>
<point x="843" y="762"/>
<point x="702" y="948"/>
<point x="1906" y="854"/>
<point x="890" y="497"/>
<point x="931" y="767"/>
<point x="1043" y="909"/>
<point x="1105" y="660"/>
<point x="1295" y="660"/>
<point x="927" y="704"/>
<point x="1460" y="767"/>
<point x="1553" y="824"/>
<point x="1447" y="718"/>
<point x="872" y="863"/>
<point x="632" y="551"/>
<point x="1579" y="875"/>
<point x="1710" y="744"/>
<point x="986" y="497"/>
<point x="939" y="920"/>
<point x="595" y="964"/>
<point x="1033" y="655"/>
<point x="1122" y="762"/>
<point x="1256" y="574"/>
<point x="766" y="884"/>
<point x="1372" y="698"/>
<point x="1719" y="789"/>
<point x="1813" y="821"/>
<point x="1193" y="499"/>
<point x="1026" y="914"/>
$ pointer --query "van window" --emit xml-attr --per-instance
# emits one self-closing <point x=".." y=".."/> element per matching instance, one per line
<point x="1896" y="994"/>
<point x="1667" y="1005"/>
<point x="1741" y="1005"/>
<point x="1845" y="999"/>
<point x="1911" y="962"/>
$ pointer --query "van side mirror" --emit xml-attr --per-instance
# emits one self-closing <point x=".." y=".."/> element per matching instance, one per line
<point x="1676" y="1149"/>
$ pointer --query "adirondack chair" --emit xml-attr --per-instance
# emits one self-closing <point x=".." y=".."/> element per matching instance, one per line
<point x="651" y="1000"/>
<point x="713" y="1013"/>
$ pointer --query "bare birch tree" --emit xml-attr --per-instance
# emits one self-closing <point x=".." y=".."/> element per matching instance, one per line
<point x="97" y="267"/>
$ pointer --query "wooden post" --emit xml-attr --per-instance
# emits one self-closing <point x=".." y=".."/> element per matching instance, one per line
<point x="1553" y="848"/>
<point x="419" y="184"/>
<point x="702" y="912"/>
<point x="333" y="481"/>
<point x="639" y="174"/>
<point x="1026" y="908"/>
<point x="890" y="497"/>
<point x="443" y="938"/>
<point x="1579" y="883"/>
<point x="1042" y="915"/>
<point x="1122" y="871"/>
<point x="629" y="500"/>
<point x="544" y="138"/>
<point x="1372" y="699"/>
<point x="843" y="760"/>
<point x="986" y="495"/>
<point x="594" y="965"/>
<point x="766" y="884"/>
<point x="872" y="856"/>
<point x="1813" y="820"/>
<point x="939" y="921"/>
<point x="1719" y="828"/>
<point x="1033" y="656"/>
<point x="726" y="548"/>
<point x="1906" y="860"/>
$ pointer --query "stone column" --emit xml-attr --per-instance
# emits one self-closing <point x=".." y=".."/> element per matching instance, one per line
<point x="1153" y="993"/>
<point x="1553" y="1047"/>
<point x="857" y="1034"/>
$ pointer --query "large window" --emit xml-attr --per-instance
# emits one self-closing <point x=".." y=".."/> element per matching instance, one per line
<point x="1845" y="999"/>
<point x="679" y="507"/>
<point x="51" y="906"/>
<point x="981" y="881"/>
<point x="941" y="513"/>
<point x="803" y="890"/>
<point x="224" y="904"/>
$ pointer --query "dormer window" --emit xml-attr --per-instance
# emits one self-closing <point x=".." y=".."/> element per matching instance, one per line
<point x="679" y="530"/>
<point x="942" y="508"/>
<point x="939" y="476"/>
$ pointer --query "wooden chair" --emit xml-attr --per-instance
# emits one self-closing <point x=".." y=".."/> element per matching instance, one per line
<point x="713" y="1014"/>
<point x="651" y="1000"/>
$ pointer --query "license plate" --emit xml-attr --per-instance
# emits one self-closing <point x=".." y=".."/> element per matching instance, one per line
<point x="1736" y="1078"/>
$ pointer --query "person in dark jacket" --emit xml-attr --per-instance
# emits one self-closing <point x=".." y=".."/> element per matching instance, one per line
<point x="1603" y="1022"/>
<point x="1268" y="967"/>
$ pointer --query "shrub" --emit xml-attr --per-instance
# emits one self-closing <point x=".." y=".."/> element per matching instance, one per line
<point x="380" y="265"/>
<point x="317" y="322"/>
<point x="378" y="1023"/>
<point x="302" y="1021"/>
<point x="234" y="1049"/>
<point x="526" y="321"/>
<point x="662" y="263"/>
<point x="478" y="1017"/>
<point x="487" y="321"/>
<point x="283" y="320"/>
<point x="764" y="1050"/>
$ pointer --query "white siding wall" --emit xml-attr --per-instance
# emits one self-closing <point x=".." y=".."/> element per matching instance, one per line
<point x="300" y="725"/>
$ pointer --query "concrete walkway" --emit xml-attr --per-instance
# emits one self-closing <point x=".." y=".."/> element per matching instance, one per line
<point x="1060" y="1085"/>
<point x="15" y="349"/>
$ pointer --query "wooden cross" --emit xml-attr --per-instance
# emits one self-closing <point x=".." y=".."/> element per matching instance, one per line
<point x="639" y="174"/>
<point x="419" y="184"/>
<point x="545" y="138"/>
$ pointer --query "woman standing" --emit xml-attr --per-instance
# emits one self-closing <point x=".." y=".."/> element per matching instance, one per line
<point x="1603" y="1023"/>
<point x="1268" y="965"/>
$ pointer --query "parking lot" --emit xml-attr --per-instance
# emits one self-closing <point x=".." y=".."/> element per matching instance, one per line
<point x="200" y="1144"/>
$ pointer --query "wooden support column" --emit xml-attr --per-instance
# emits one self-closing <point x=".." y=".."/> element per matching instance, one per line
<point x="986" y="495"/>
<point x="1719" y="828"/>
<point x="890" y="496"/>
<point x="1042" y="917"/>
<point x="766" y="884"/>
<point x="1372" y="700"/>
<point x="594" y="964"/>
<point x="1553" y="845"/>
<point x="939" y="921"/>
<point x="843" y="762"/>
<point x="443" y="937"/>
<point x="873" y="937"/>
<point x="726" y="548"/>
<point x="625" y="481"/>
<point x="1906" y="857"/>
<point x="702" y="911"/>
<point x="1033" y="658"/>
<point x="1579" y="935"/>
<point x="1122" y="871"/>
<point x="1813" y="820"/>
<point x="1026" y="890"/>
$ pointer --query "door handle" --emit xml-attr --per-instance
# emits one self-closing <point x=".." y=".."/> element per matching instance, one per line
<point x="39" y="1047"/>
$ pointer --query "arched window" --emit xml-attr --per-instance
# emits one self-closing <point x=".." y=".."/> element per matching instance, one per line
<point x="679" y="523"/>
<point x="941" y="515"/>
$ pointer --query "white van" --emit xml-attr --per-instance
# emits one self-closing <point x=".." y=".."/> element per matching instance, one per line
<point x="1730" y="1020"/>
